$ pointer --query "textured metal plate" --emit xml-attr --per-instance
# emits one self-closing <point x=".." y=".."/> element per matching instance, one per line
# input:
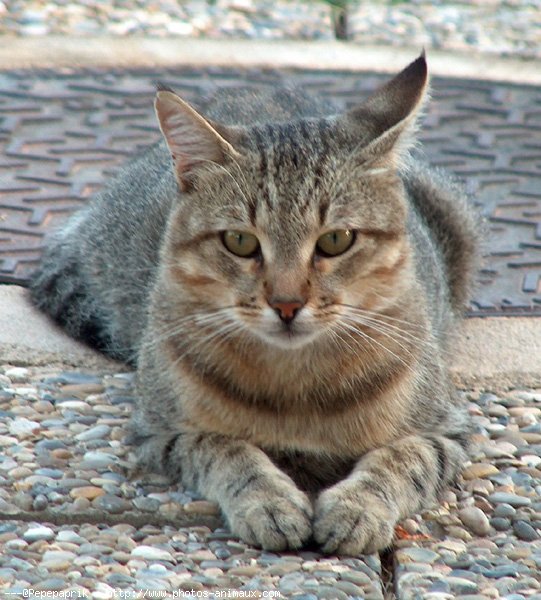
<point x="63" y="133"/>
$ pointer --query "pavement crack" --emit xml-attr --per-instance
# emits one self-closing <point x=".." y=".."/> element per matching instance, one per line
<point x="94" y="517"/>
<point x="387" y="560"/>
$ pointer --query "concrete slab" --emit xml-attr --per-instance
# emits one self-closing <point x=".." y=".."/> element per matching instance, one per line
<point x="70" y="53"/>
<point x="491" y="353"/>
<point x="498" y="353"/>
<point x="28" y="337"/>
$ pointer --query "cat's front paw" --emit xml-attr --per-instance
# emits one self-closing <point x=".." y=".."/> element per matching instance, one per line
<point x="351" y="520"/>
<point x="275" y="520"/>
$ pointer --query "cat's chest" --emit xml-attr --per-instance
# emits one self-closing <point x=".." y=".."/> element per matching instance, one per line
<point x="347" y="431"/>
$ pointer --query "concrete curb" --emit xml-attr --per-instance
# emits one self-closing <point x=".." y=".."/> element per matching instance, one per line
<point x="143" y="52"/>
<point x="492" y="353"/>
<point x="29" y="338"/>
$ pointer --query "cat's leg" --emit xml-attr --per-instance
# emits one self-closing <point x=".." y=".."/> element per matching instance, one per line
<point x="261" y="503"/>
<point x="358" y="515"/>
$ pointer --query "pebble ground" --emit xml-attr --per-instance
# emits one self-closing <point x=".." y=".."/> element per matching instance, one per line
<point x="511" y="28"/>
<point x="73" y="517"/>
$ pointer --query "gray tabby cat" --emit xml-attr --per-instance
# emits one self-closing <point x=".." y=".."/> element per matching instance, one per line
<point x="285" y="278"/>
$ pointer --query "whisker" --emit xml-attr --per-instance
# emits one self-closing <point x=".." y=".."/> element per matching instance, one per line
<point x="390" y="327"/>
<point x="391" y="336"/>
<point x="393" y="330"/>
<point x="378" y="343"/>
<point x="339" y="341"/>
<point x="203" y="343"/>
<point x="205" y="320"/>
<point x="365" y="311"/>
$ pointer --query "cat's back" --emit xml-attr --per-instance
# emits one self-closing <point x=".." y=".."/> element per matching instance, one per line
<point x="442" y="217"/>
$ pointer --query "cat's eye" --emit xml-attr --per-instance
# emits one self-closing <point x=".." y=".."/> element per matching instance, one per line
<point x="241" y="243"/>
<point x="335" y="242"/>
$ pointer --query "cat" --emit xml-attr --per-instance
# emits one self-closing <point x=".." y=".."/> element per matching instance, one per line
<point x="285" y="277"/>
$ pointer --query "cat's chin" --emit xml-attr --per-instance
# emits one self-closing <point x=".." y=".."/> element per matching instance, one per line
<point x="287" y="340"/>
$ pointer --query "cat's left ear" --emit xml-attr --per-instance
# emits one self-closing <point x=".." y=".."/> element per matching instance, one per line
<point x="387" y="120"/>
<point x="192" y="140"/>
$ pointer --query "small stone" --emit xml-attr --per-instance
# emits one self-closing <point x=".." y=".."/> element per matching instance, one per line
<point x="48" y="472"/>
<point x="244" y="571"/>
<point x="357" y="577"/>
<point x="23" y="428"/>
<point x="459" y="533"/>
<point x="70" y="536"/>
<point x="111" y="504"/>
<point x="40" y="532"/>
<point x="7" y="509"/>
<point x="98" y="460"/>
<point x="202" y="555"/>
<point x="461" y="585"/>
<point x="349" y="588"/>
<point x="152" y="553"/>
<point x="89" y="491"/>
<point x="17" y="374"/>
<point x="508" y="498"/>
<point x="453" y="545"/>
<point x="19" y="472"/>
<point x="170" y="510"/>
<point x="94" y="433"/>
<point x="479" y="470"/>
<point x="504" y="510"/>
<point x="475" y="520"/>
<point x="421" y="555"/>
<point x="53" y="584"/>
<point x="75" y="405"/>
<point x="146" y="504"/>
<point x="524" y="531"/>
<point x="283" y="568"/>
<point x="73" y="482"/>
<point x="40" y="502"/>
<point x="57" y="560"/>
<point x="202" y="507"/>
<point x="410" y="526"/>
<point x="500" y="523"/>
<point x="8" y="464"/>
<point x="531" y="460"/>
<point x="222" y="553"/>
<point x="501" y="571"/>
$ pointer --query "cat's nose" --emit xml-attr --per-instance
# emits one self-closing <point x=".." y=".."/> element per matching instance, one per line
<point x="287" y="309"/>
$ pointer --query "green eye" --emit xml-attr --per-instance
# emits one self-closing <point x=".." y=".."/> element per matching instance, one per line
<point x="335" y="242"/>
<point x="240" y="243"/>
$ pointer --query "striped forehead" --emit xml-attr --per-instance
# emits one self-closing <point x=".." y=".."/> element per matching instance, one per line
<point x="292" y="164"/>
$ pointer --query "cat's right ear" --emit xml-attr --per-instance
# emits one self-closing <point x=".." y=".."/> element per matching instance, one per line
<point x="192" y="140"/>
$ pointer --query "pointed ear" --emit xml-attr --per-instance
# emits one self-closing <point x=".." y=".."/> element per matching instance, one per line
<point x="389" y="116"/>
<point x="192" y="140"/>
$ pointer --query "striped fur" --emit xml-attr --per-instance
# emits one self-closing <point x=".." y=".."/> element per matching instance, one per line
<point x="333" y="426"/>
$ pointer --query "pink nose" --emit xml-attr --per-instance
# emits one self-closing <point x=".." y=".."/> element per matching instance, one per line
<point x="287" y="309"/>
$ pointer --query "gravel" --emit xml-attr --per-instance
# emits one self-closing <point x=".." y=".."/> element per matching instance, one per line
<point x="507" y="28"/>
<point x="72" y="518"/>
<point x="486" y="533"/>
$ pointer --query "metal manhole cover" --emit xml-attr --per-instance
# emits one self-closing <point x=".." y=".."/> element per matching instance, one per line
<point x="62" y="134"/>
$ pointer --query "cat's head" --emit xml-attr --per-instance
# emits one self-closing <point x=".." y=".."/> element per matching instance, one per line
<point x="286" y="231"/>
